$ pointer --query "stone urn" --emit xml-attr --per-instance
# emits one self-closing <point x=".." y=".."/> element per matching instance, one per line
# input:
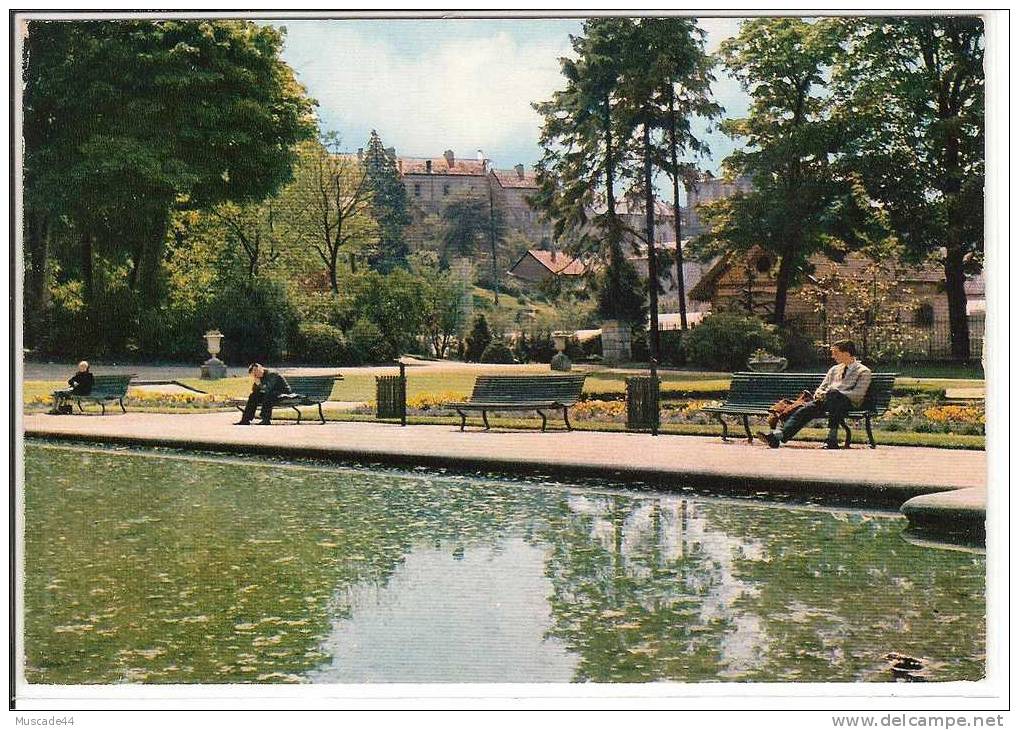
<point x="560" y="361"/>
<point x="213" y="368"/>
<point x="767" y="363"/>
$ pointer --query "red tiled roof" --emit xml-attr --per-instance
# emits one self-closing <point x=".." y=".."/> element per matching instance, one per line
<point x="510" y="179"/>
<point x="440" y="166"/>
<point x="558" y="262"/>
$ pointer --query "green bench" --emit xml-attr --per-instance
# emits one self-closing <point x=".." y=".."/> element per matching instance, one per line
<point x="521" y="393"/>
<point x="104" y="388"/>
<point x="752" y="394"/>
<point x="305" y="390"/>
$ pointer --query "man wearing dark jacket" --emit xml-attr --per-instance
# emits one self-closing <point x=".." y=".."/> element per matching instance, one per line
<point x="268" y="386"/>
<point x="81" y="384"/>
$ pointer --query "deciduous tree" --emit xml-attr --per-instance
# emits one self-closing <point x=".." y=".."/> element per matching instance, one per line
<point x="913" y="90"/>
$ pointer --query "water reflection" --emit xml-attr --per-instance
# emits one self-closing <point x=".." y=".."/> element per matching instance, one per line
<point x="150" y="569"/>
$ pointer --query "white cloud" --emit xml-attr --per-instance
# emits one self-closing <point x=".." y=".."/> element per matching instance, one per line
<point x="456" y="91"/>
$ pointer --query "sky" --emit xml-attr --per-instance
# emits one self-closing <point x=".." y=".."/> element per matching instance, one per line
<point x="432" y="85"/>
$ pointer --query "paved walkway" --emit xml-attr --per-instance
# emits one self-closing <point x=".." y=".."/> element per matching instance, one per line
<point x="886" y="475"/>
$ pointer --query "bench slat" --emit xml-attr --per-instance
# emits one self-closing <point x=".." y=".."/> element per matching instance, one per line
<point x="522" y="392"/>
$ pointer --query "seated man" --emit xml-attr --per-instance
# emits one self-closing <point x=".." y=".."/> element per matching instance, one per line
<point x="81" y="384"/>
<point x="268" y="386"/>
<point x="844" y="388"/>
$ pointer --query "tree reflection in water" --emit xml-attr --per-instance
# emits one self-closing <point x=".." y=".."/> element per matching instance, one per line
<point x="185" y="569"/>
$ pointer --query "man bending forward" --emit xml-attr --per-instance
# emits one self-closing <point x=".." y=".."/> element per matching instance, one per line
<point x="268" y="386"/>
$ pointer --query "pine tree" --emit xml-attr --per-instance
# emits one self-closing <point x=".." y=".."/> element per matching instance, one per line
<point x="389" y="206"/>
<point x="584" y="156"/>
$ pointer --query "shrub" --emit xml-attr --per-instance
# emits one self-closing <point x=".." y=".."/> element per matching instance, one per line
<point x="366" y="343"/>
<point x="540" y="347"/>
<point x="478" y="340"/>
<point x="256" y="318"/>
<point x="799" y="350"/>
<point x="673" y="348"/>
<point x="320" y="344"/>
<point x="497" y="352"/>
<point x="725" y="340"/>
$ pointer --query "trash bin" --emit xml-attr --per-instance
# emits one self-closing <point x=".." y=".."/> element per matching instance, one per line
<point x="391" y="396"/>
<point x="642" y="398"/>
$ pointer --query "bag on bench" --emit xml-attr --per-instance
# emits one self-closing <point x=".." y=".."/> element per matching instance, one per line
<point x="786" y="407"/>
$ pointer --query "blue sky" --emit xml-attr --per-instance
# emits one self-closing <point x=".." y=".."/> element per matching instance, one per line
<point x="432" y="85"/>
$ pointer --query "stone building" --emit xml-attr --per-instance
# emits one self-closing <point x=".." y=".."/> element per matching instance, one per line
<point x="432" y="182"/>
<point x="708" y="189"/>
<point x="747" y="283"/>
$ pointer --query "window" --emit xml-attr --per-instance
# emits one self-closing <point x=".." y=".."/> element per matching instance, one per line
<point x="417" y="190"/>
<point x="924" y="315"/>
<point x="445" y="189"/>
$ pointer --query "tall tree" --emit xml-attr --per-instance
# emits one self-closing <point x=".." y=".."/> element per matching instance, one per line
<point x="126" y="120"/>
<point x="789" y="136"/>
<point x="389" y="206"/>
<point x="686" y="91"/>
<point x="583" y="152"/>
<point x="472" y="222"/>
<point x="659" y="52"/>
<point x="328" y="207"/>
<point x="913" y="88"/>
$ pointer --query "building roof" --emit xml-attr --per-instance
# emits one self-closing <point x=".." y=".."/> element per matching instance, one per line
<point x="440" y="166"/>
<point x="852" y="265"/>
<point x="626" y="207"/>
<point x="513" y="179"/>
<point x="557" y="262"/>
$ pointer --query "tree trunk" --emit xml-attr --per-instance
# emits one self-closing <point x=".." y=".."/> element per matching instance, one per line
<point x="87" y="277"/>
<point x="491" y="239"/>
<point x="785" y="275"/>
<point x="610" y="179"/>
<point x="674" y="150"/>
<point x="333" y="283"/>
<point x="151" y="261"/>
<point x="36" y="291"/>
<point x="652" y="264"/>
<point x="955" y="289"/>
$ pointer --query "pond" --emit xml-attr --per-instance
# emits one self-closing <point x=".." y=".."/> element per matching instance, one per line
<point x="169" y="567"/>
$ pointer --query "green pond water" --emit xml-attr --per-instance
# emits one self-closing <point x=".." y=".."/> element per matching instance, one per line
<point x="163" y="567"/>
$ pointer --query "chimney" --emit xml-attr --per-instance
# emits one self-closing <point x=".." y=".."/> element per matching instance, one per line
<point x="450" y="159"/>
<point x="428" y="167"/>
<point x="399" y="166"/>
<point x="360" y="153"/>
<point x="520" y="171"/>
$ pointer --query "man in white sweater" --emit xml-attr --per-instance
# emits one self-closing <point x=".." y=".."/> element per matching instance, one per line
<point x="843" y="389"/>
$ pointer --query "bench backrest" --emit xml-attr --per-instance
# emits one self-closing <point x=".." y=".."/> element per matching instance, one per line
<point x="114" y="386"/>
<point x="764" y="389"/>
<point x="312" y="387"/>
<point x="563" y="389"/>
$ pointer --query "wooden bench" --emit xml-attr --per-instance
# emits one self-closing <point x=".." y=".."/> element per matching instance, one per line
<point x="521" y="393"/>
<point x="752" y="394"/>
<point x="305" y="390"/>
<point x="104" y="388"/>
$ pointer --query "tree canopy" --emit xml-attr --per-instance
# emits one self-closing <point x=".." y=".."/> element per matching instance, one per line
<point x="912" y="91"/>
<point x="126" y="120"/>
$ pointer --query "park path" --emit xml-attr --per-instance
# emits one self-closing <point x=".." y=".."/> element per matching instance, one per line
<point x="886" y="475"/>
